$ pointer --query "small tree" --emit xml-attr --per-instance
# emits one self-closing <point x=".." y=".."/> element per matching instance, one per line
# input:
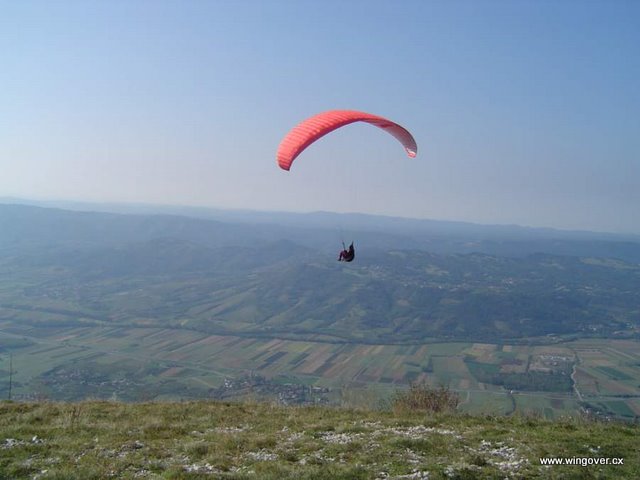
<point x="10" y="374"/>
<point x="422" y="397"/>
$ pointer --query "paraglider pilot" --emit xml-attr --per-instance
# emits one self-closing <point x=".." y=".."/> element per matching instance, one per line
<point x="347" y="255"/>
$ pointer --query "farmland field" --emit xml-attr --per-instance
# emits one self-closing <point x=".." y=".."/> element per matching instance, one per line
<point x="162" y="363"/>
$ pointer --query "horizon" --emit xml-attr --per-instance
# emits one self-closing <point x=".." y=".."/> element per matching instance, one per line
<point x="157" y="209"/>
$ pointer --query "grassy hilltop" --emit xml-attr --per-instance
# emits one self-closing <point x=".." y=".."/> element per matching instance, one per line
<point x="96" y="440"/>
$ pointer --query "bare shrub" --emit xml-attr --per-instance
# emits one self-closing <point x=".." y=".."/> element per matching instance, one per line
<point x="423" y="397"/>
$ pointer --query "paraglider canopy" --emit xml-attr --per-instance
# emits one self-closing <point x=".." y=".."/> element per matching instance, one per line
<point x="311" y="129"/>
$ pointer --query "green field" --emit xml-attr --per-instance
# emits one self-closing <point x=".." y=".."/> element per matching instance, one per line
<point x="155" y="363"/>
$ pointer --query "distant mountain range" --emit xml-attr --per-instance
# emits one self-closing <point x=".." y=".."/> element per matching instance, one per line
<point x="91" y="222"/>
<point x="280" y="278"/>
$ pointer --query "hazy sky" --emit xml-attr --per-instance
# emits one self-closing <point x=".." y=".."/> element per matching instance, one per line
<point x="525" y="112"/>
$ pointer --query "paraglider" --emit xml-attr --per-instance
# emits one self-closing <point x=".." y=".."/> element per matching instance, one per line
<point x="311" y="129"/>
<point x="316" y="127"/>
<point x="347" y="255"/>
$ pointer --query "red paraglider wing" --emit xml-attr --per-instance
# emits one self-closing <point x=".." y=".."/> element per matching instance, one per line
<point x="310" y="130"/>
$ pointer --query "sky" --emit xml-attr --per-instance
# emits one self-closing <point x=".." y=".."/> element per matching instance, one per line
<point x="525" y="112"/>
